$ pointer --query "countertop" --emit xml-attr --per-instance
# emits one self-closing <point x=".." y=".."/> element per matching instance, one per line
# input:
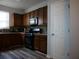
<point x="11" y="32"/>
<point x="40" y="34"/>
<point x="21" y="33"/>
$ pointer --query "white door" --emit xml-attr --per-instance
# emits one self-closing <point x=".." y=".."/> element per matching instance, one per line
<point x="56" y="30"/>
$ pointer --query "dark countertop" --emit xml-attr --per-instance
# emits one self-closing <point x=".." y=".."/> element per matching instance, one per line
<point x="11" y="32"/>
<point x="40" y="34"/>
<point x="21" y="33"/>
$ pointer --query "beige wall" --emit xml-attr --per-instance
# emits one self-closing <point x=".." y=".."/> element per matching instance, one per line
<point x="11" y="11"/>
<point x="74" y="18"/>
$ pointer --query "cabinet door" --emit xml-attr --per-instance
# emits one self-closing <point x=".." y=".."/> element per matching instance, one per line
<point x="40" y="16"/>
<point x="36" y="43"/>
<point x="35" y="13"/>
<point x="43" y="44"/>
<point x="18" y="19"/>
<point x="40" y="43"/>
<point x="26" y="19"/>
<point x="31" y="14"/>
<point x="45" y="15"/>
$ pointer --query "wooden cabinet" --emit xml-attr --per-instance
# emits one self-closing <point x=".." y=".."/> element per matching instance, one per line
<point x="32" y="14"/>
<point x="23" y="20"/>
<point x="43" y="44"/>
<point x="40" y="16"/>
<point x="11" y="41"/>
<point x="40" y="43"/>
<point x="36" y="43"/>
<point x="41" y="13"/>
<point x="18" y="20"/>
<point x="26" y="19"/>
<point x="29" y="15"/>
<point x="45" y="15"/>
<point x="35" y="13"/>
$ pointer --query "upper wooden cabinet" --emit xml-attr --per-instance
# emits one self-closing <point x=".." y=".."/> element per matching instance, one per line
<point x="40" y="16"/>
<point x="18" y="20"/>
<point x="23" y="19"/>
<point x="45" y="15"/>
<point x="41" y="13"/>
<point x="26" y="19"/>
<point x="35" y="13"/>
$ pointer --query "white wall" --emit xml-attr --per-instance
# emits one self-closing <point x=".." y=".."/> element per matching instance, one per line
<point x="56" y="26"/>
<point x="74" y="18"/>
<point x="11" y="10"/>
<point x="36" y="6"/>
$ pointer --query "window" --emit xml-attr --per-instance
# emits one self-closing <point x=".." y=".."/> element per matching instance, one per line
<point x="4" y="20"/>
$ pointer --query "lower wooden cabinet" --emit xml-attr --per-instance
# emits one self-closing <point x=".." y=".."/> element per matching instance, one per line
<point x="36" y="43"/>
<point x="40" y="43"/>
<point x="11" y="41"/>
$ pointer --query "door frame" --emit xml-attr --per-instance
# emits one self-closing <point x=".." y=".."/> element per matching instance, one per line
<point x="67" y="29"/>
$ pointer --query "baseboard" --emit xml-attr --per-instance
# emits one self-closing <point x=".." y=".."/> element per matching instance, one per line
<point x="41" y="53"/>
<point x="44" y="54"/>
<point x="49" y="57"/>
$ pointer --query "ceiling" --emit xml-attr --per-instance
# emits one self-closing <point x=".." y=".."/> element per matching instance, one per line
<point x="22" y="4"/>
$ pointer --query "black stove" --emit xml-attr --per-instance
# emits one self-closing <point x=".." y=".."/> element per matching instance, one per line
<point x="29" y="37"/>
<point x="29" y="40"/>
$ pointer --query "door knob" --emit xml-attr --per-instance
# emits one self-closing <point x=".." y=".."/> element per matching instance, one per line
<point x="53" y="34"/>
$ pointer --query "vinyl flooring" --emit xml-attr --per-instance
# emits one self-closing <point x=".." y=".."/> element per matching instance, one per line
<point x="21" y="53"/>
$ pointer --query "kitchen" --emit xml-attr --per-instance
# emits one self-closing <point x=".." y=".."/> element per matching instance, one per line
<point x="54" y="34"/>
<point x="22" y="26"/>
<point x="40" y="37"/>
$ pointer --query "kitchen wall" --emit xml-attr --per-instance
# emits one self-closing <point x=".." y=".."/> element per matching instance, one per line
<point x="11" y="11"/>
<point x="74" y="18"/>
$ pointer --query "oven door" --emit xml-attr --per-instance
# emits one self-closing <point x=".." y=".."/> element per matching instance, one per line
<point x="29" y="40"/>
